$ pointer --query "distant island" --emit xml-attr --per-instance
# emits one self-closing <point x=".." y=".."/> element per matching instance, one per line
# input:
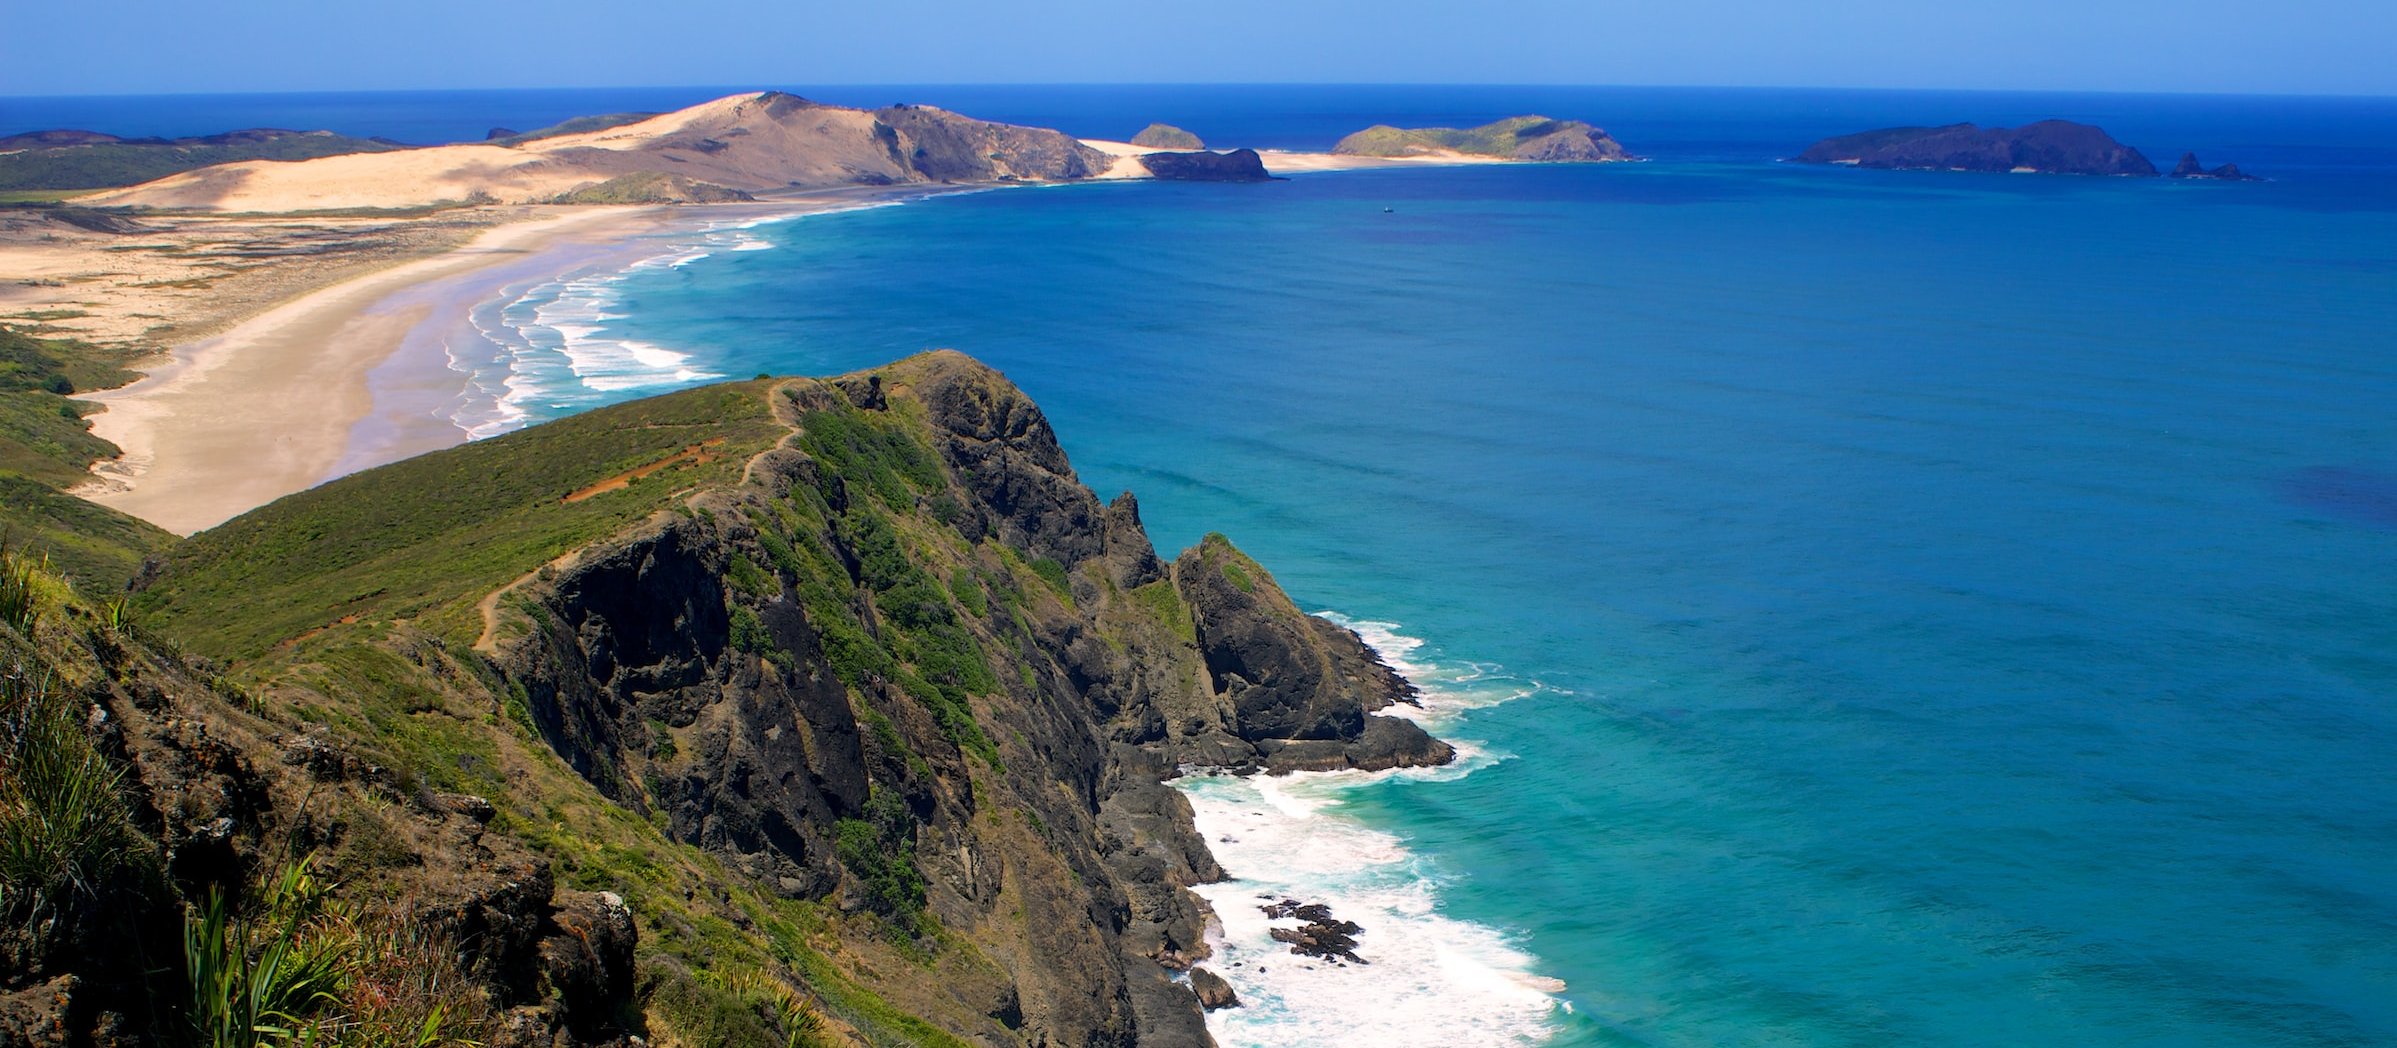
<point x="1531" y="138"/>
<point x="2049" y="147"/>
<point x="1167" y="136"/>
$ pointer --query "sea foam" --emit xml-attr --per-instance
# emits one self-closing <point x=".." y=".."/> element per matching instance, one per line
<point x="1431" y="979"/>
<point x="549" y="348"/>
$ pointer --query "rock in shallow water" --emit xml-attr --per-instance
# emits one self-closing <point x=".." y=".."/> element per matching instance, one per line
<point x="1213" y="992"/>
<point x="1323" y="935"/>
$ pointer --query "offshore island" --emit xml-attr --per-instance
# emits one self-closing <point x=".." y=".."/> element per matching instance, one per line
<point x="786" y="711"/>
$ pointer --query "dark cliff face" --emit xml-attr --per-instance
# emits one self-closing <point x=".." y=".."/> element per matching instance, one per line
<point x="1239" y="165"/>
<point x="917" y="608"/>
<point x="2046" y="147"/>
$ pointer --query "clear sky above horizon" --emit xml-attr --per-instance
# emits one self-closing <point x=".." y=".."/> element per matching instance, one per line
<point x="2228" y="46"/>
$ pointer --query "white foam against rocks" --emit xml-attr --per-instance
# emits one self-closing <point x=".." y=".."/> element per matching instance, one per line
<point x="1432" y="979"/>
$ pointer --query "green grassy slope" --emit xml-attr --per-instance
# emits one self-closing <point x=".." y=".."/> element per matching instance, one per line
<point x="426" y="538"/>
<point x="46" y="445"/>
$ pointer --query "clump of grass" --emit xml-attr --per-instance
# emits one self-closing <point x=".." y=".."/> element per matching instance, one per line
<point x="20" y="592"/>
<point x="68" y="847"/>
<point x="801" y="1022"/>
<point x="406" y="989"/>
<point x="275" y="974"/>
<point x="296" y="966"/>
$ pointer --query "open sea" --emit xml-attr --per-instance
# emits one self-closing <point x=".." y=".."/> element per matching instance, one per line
<point x="1877" y="608"/>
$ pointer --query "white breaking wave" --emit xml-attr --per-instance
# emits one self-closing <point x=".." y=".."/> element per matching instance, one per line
<point x="1432" y="979"/>
<point x="544" y="349"/>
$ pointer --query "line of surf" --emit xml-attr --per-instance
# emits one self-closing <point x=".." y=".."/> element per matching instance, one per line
<point x="1431" y="979"/>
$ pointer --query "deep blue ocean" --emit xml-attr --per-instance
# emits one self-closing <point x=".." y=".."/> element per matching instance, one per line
<point x="1879" y="608"/>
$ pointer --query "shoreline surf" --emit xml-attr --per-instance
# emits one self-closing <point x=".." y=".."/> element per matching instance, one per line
<point x="1425" y="974"/>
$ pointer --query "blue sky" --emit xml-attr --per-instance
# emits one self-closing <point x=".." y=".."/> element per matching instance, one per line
<point x="2235" y="46"/>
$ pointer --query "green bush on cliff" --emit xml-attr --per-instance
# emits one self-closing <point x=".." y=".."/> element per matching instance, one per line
<point x="880" y="849"/>
<point x="878" y="456"/>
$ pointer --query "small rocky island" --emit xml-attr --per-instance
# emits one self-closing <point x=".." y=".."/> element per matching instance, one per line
<point x="2047" y="147"/>
<point x="2190" y="168"/>
<point x="1531" y="138"/>
<point x="1239" y="165"/>
<point x="1167" y="136"/>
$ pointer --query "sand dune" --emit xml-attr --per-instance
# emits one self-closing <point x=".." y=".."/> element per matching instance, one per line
<point x="757" y="142"/>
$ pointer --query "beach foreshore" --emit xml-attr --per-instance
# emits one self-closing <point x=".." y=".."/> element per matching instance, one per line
<point x="275" y="404"/>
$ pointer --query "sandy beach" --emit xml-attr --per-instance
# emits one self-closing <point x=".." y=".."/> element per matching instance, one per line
<point x="275" y="404"/>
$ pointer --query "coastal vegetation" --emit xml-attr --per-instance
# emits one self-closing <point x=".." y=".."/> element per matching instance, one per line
<point x="50" y="161"/>
<point x="46" y="446"/>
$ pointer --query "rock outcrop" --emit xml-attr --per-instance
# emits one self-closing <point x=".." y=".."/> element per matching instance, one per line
<point x="2046" y="147"/>
<point x="1528" y="138"/>
<point x="1167" y="137"/>
<point x="1114" y="669"/>
<point x="1239" y="165"/>
<point x="2190" y="168"/>
<point x="1213" y="992"/>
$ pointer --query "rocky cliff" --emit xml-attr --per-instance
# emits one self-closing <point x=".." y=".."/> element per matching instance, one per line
<point x="1239" y="165"/>
<point x="2046" y="147"/>
<point x="804" y="711"/>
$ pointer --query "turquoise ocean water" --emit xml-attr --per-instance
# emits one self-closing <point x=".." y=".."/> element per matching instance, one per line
<point x="1878" y="608"/>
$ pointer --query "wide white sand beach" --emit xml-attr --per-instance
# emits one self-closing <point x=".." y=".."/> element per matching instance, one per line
<point x="274" y="405"/>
